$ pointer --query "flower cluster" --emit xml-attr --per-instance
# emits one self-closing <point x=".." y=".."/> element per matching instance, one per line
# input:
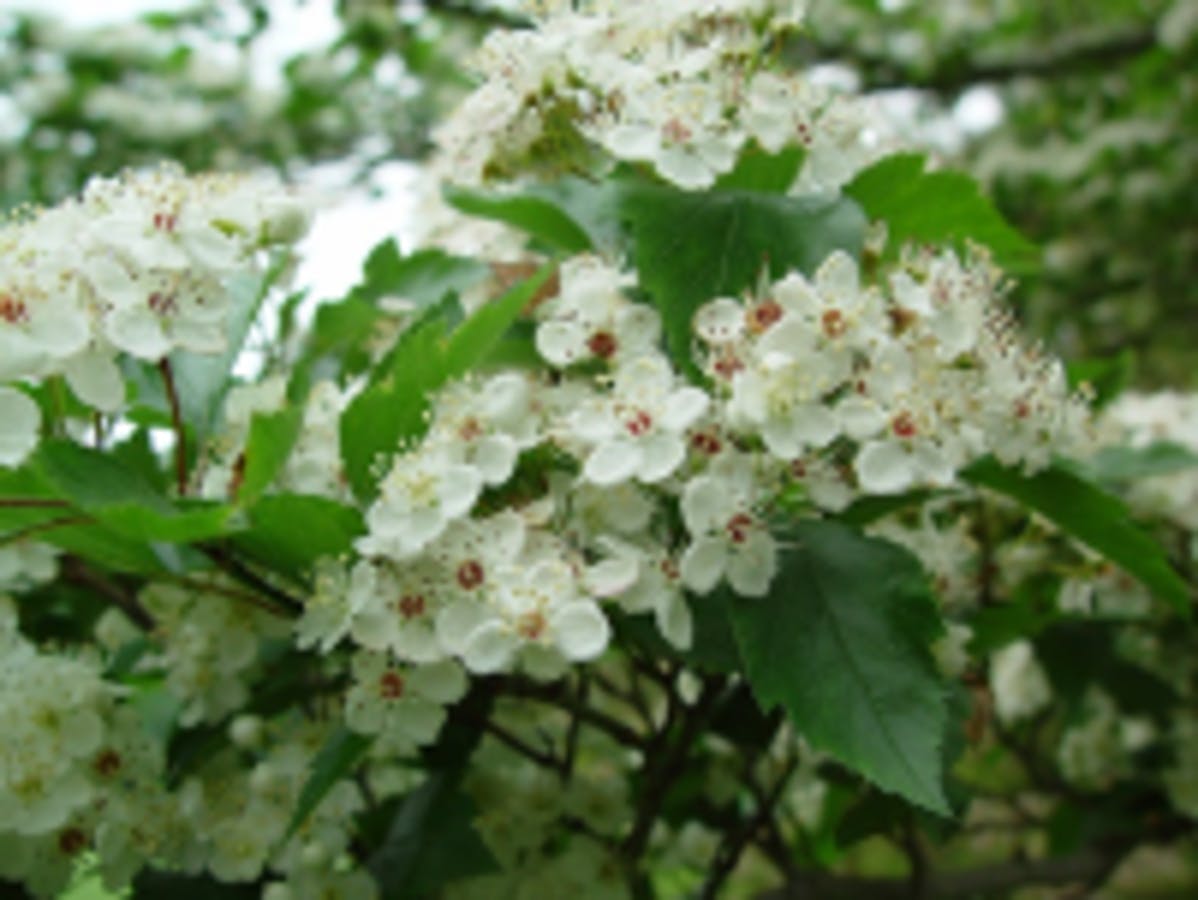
<point x="670" y="85"/>
<point x="140" y="264"/>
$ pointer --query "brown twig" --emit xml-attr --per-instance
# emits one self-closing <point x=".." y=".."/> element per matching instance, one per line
<point x="79" y="572"/>
<point x="172" y="397"/>
<point x="40" y="527"/>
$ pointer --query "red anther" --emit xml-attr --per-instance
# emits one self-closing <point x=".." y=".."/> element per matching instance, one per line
<point x="391" y="686"/>
<point x="904" y="426"/>
<point x="470" y="574"/>
<point x="834" y="323"/>
<point x="411" y="605"/>
<point x="706" y="442"/>
<point x="762" y="315"/>
<point x="603" y="344"/>
<point x="639" y="423"/>
<point x="676" y="131"/>
<point x="12" y="310"/>
<point x="531" y="625"/>
<point x="738" y="527"/>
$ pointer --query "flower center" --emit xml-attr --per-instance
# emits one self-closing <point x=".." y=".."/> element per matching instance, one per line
<point x="738" y="527"/>
<point x="639" y="423"/>
<point x="165" y="222"/>
<point x="904" y="426"/>
<point x="762" y="315"/>
<point x="531" y="625"/>
<point x="676" y="131"/>
<point x="12" y="310"/>
<point x="411" y="605"/>
<point x="706" y="442"/>
<point x="107" y="763"/>
<point x="834" y="323"/>
<point x="603" y="344"/>
<point x="470" y="574"/>
<point x="162" y="303"/>
<point x="71" y="841"/>
<point x="391" y="686"/>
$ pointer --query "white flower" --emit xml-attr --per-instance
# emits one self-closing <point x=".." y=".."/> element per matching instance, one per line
<point x="639" y="431"/>
<point x="1019" y="684"/>
<point x="402" y="702"/>
<point x="728" y="538"/>
<point x="422" y="493"/>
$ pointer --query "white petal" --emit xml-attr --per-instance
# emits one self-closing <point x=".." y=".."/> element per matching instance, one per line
<point x="561" y="342"/>
<point x="860" y="417"/>
<point x="752" y="567"/>
<point x="674" y="620"/>
<point x="703" y="564"/>
<point x="96" y="380"/>
<point x="661" y="454"/>
<point x="612" y="462"/>
<point x="884" y="467"/>
<point x="20" y="420"/>
<point x="611" y="576"/>
<point x="457" y="622"/>
<point x="19" y="355"/>
<point x="136" y="330"/>
<point x="684" y="168"/>
<point x="441" y="682"/>
<point x="704" y="505"/>
<point x="490" y="649"/>
<point x="419" y="720"/>
<point x="580" y="630"/>
<point x="495" y="456"/>
<point x="460" y="487"/>
<point x="684" y="407"/>
<point x="720" y="321"/>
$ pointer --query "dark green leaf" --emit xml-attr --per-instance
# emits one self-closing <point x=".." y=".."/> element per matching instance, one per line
<point x="1108" y="377"/>
<point x="760" y="170"/>
<point x="334" y="761"/>
<point x="1092" y="516"/>
<point x="841" y="642"/>
<point x="431" y="843"/>
<point x="934" y="207"/>
<point x="539" y="217"/>
<point x="289" y="532"/>
<point x="693" y="247"/>
<point x="150" y="885"/>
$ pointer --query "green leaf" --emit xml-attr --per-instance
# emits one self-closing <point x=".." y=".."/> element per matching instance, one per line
<point x="539" y="217"/>
<point x="424" y="277"/>
<point x="272" y="435"/>
<point x="1091" y="515"/>
<point x="934" y="207"/>
<point x="289" y="532"/>
<point x="334" y="761"/>
<point x="431" y="843"/>
<point x="693" y="247"/>
<point x="1108" y="377"/>
<point x="841" y="642"/>
<point x="394" y="408"/>
<point x="759" y="170"/>
<point x="124" y="501"/>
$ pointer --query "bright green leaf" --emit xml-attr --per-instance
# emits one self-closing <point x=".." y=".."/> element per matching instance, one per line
<point x="272" y="435"/>
<point x="289" y="532"/>
<point x="842" y="643"/>
<point x="760" y="170"/>
<point x="934" y="207"/>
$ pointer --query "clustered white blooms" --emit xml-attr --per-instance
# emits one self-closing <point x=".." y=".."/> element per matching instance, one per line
<point x="141" y="265"/>
<point x="669" y="84"/>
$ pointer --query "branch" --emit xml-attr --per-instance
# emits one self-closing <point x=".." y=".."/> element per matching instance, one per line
<point x="565" y="700"/>
<point x="32" y="503"/>
<point x="50" y="525"/>
<point x="243" y="573"/>
<point x="954" y="74"/>
<point x="77" y="571"/>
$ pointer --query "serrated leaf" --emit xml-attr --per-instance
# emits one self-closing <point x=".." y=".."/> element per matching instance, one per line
<point x="431" y="843"/>
<point x="272" y="436"/>
<point x="290" y="532"/>
<point x="936" y="207"/>
<point x="423" y="277"/>
<point x="1091" y="515"/>
<point x="536" y="216"/>
<point x="393" y="409"/>
<point x="693" y="247"/>
<point x="335" y="760"/>
<point x="842" y="643"/>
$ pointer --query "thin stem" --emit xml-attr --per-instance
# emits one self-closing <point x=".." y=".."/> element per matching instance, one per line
<point x="172" y="397"/>
<point x="77" y="571"/>
<point x="32" y="503"/>
<point x="62" y="522"/>
<point x="243" y="573"/>
<point x="541" y="758"/>
<point x="554" y="696"/>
